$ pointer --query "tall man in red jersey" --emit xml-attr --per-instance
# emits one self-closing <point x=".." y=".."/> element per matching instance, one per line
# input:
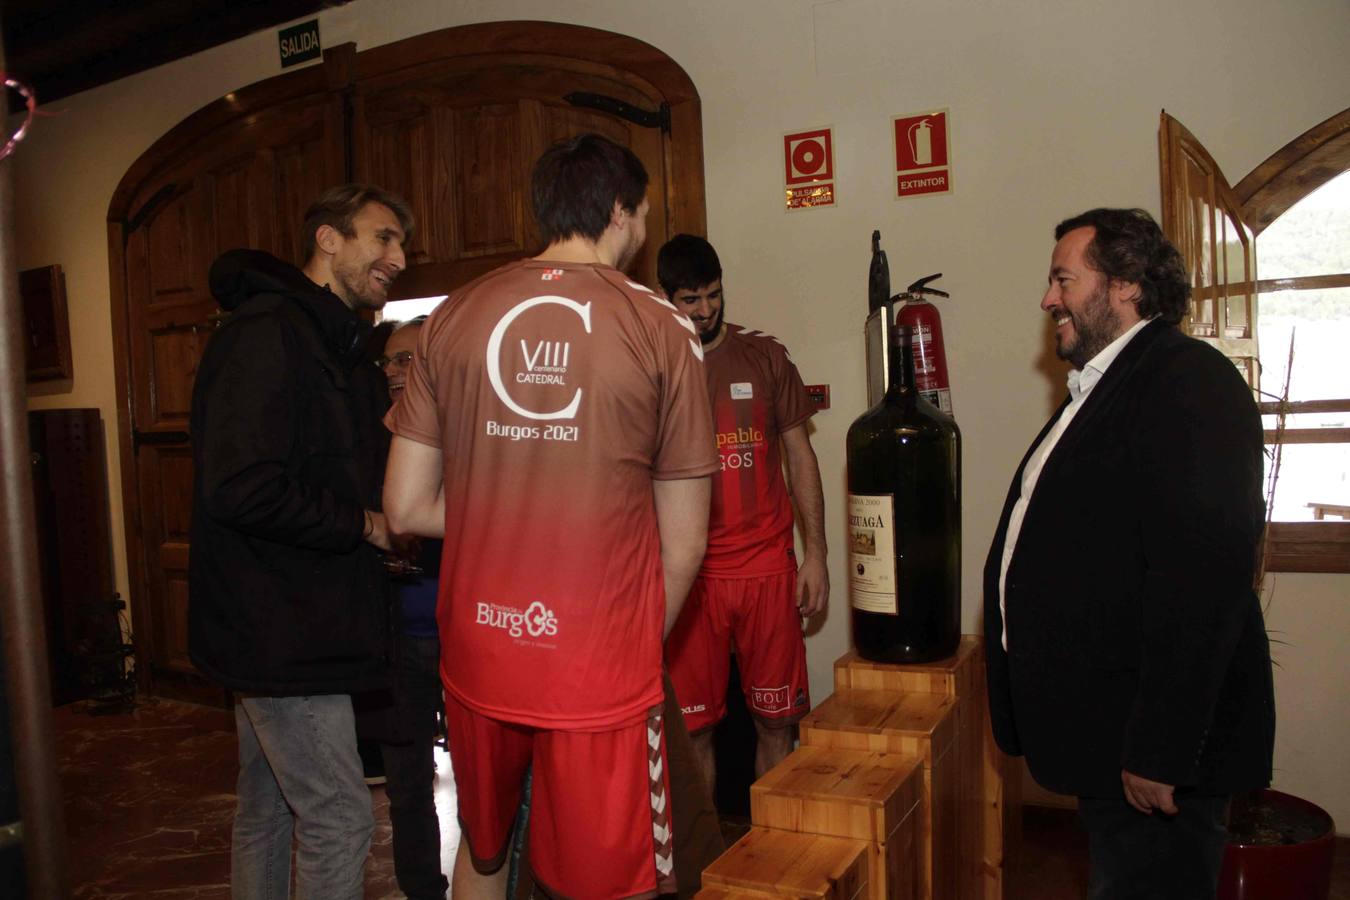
<point x="750" y="589"/>
<point x="555" y="428"/>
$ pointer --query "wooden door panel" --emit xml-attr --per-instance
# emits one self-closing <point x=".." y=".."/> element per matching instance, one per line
<point x="458" y="138"/>
<point x="168" y="258"/>
<point x="1202" y="216"/>
<point x="400" y="151"/>
<point x="175" y="350"/>
<point x="240" y="217"/>
<point x="176" y="244"/>
<point x="174" y="638"/>
<point x="487" y="166"/>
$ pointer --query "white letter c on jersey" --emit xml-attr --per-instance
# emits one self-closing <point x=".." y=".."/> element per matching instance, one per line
<point x="494" y="351"/>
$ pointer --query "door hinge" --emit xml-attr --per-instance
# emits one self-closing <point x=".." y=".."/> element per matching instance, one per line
<point x="659" y="118"/>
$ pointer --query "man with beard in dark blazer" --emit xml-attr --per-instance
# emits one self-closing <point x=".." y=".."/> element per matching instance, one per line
<point x="1127" y="655"/>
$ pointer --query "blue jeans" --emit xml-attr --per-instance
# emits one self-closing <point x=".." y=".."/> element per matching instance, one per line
<point x="299" y="775"/>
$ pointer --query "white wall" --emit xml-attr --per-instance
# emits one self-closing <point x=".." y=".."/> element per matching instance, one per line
<point x="1054" y="108"/>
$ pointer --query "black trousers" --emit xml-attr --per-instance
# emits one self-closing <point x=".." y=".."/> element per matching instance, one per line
<point x="410" y="770"/>
<point x="1155" y="857"/>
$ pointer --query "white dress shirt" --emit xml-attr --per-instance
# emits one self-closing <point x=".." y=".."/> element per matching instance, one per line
<point x="1081" y="383"/>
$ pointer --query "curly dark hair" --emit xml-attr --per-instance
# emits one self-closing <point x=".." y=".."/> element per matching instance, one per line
<point x="1129" y="246"/>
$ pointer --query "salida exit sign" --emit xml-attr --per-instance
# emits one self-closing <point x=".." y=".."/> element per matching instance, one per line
<point x="300" y="43"/>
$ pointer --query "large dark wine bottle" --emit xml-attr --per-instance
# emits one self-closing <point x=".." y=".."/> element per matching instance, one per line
<point x="904" y="510"/>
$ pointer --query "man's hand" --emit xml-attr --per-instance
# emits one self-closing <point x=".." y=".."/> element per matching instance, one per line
<point x="1146" y="796"/>
<point x="803" y="483"/>
<point x="377" y="530"/>
<point x="813" y="586"/>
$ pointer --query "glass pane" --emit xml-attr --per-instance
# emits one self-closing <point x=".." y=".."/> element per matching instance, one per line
<point x="1312" y="237"/>
<point x="1312" y="480"/>
<point x="1320" y="323"/>
<point x="1237" y="278"/>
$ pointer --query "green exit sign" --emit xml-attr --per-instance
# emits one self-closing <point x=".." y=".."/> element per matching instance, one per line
<point x="300" y="43"/>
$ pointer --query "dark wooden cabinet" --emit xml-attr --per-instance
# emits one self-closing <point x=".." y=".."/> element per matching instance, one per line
<point x="70" y="500"/>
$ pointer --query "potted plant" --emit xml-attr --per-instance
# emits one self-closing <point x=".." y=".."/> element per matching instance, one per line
<point x="1280" y="847"/>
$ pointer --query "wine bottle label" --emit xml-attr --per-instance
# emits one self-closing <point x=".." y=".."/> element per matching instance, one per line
<point x="871" y="553"/>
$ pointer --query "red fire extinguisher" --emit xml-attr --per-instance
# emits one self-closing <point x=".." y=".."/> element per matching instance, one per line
<point x="930" y="359"/>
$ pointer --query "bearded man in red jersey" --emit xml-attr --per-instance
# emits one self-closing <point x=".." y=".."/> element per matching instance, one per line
<point x="750" y="589"/>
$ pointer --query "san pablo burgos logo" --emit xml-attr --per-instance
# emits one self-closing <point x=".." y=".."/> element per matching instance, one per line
<point x="545" y="362"/>
<point x="536" y="619"/>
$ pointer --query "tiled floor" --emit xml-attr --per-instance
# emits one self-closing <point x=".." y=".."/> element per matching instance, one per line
<point x="150" y="796"/>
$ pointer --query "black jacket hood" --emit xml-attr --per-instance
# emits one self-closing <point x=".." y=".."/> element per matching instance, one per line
<point x="238" y="276"/>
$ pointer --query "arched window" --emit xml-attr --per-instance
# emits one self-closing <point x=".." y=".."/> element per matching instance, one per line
<point x="1298" y="205"/>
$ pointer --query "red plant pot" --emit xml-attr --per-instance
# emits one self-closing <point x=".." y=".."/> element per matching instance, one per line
<point x="1281" y="871"/>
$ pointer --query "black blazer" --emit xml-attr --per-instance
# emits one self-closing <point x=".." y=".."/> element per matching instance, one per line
<point x="1135" y="638"/>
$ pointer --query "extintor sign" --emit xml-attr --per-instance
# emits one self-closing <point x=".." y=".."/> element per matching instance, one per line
<point x="922" y="154"/>
<point x="808" y="164"/>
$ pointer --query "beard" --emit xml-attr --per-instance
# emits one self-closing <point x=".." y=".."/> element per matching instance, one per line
<point x="710" y="335"/>
<point x="354" y="287"/>
<point x="1094" y="327"/>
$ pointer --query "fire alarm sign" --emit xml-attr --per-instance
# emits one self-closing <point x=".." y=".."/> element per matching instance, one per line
<point x="808" y="162"/>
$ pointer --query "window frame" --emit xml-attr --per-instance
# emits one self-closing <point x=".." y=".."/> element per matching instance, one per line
<point x="1267" y="192"/>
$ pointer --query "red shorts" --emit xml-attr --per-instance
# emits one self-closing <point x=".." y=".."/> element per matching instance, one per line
<point x="760" y="615"/>
<point x="600" y="823"/>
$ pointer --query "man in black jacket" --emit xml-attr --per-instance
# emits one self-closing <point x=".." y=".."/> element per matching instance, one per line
<point x="1127" y="656"/>
<point x="288" y="604"/>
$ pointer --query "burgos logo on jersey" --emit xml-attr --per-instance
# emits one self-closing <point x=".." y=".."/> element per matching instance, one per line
<point x="536" y="619"/>
<point x="545" y="363"/>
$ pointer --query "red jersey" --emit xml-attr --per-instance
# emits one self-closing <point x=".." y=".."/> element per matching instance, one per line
<point x="757" y="395"/>
<point x="556" y="393"/>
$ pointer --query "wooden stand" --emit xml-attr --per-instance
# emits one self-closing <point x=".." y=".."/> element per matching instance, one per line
<point x="900" y="761"/>
<point x="921" y="727"/>
<point x="789" y="864"/>
<point x="988" y="795"/>
<point x="871" y="797"/>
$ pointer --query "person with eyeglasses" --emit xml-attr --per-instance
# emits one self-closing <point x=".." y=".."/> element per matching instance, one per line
<point x="407" y="731"/>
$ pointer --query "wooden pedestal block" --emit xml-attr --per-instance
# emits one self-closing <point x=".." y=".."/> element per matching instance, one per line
<point x="988" y="784"/>
<point x="954" y="676"/>
<point x="921" y="725"/>
<point x="718" y="893"/>
<point x="871" y="797"/>
<point x="787" y="864"/>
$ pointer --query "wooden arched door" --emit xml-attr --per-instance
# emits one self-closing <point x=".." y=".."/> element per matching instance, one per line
<point x="453" y="121"/>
